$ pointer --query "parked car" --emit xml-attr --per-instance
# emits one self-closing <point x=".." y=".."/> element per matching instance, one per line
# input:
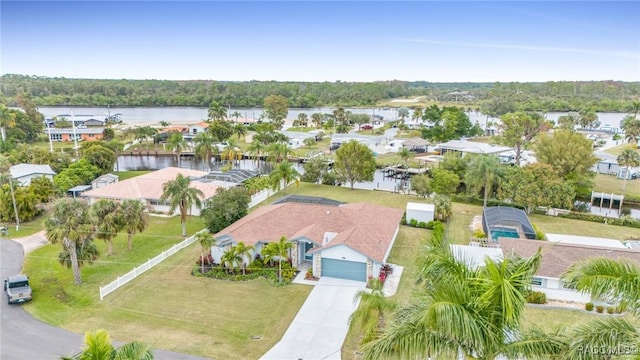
<point x="17" y="289"/>
<point x="366" y="127"/>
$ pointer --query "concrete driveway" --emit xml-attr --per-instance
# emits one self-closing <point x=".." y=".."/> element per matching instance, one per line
<point x="318" y="330"/>
<point x="23" y="337"/>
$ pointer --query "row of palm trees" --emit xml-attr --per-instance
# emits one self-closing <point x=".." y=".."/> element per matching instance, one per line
<point x="74" y="224"/>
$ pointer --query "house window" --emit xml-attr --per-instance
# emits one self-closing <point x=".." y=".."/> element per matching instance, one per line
<point x="536" y="281"/>
<point x="91" y="135"/>
<point x="56" y="137"/>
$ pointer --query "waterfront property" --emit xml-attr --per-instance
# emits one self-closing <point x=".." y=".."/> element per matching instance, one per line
<point x="346" y="241"/>
<point x="79" y="134"/>
<point x="147" y="188"/>
<point x="470" y="147"/>
<point x="24" y="173"/>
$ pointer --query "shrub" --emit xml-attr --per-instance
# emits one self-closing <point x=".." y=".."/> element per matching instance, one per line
<point x="619" y="309"/>
<point x="479" y="234"/>
<point x="624" y="221"/>
<point x="599" y="309"/>
<point x="588" y="306"/>
<point x="536" y="297"/>
<point x="413" y="222"/>
<point x="256" y="264"/>
<point x="403" y="221"/>
<point x="539" y="234"/>
<point x="422" y="224"/>
<point x="611" y="309"/>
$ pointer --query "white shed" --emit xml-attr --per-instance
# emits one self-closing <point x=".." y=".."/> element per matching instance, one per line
<point x="420" y="212"/>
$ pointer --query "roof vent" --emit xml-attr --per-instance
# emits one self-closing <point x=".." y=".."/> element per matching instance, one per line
<point x="328" y="212"/>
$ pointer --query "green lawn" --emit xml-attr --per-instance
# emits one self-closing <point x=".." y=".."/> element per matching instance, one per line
<point x="611" y="184"/>
<point x="26" y="229"/>
<point x="57" y="145"/>
<point x="322" y="145"/>
<point x="618" y="149"/>
<point x="388" y="159"/>
<point x="302" y="128"/>
<point x="124" y="175"/>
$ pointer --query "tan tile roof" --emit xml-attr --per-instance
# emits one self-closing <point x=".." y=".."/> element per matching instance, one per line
<point x="365" y="228"/>
<point x="149" y="186"/>
<point x="557" y="257"/>
<point x="201" y="124"/>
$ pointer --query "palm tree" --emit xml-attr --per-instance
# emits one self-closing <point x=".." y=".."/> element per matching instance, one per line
<point x="303" y="119"/>
<point x="177" y="144"/>
<point x="231" y="258"/>
<point x="635" y="108"/>
<point x="483" y="172"/>
<point x="417" y="114"/>
<point x="204" y="145"/>
<point x="236" y="115"/>
<point x="280" y="250"/>
<point x="106" y="219"/>
<point x="86" y="253"/>
<point x="405" y="155"/>
<point x="245" y="253"/>
<point x="403" y="113"/>
<point x="134" y="218"/>
<point x="7" y="120"/>
<point x="240" y="130"/>
<point x="631" y="128"/>
<point x="316" y="118"/>
<point x="69" y="225"/>
<point x="628" y="158"/>
<point x="205" y="240"/>
<point x="216" y="111"/>
<point x="256" y="149"/>
<point x="442" y="203"/>
<point x="463" y="311"/>
<point x="164" y="124"/>
<point x="278" y="152"/>
<point x="231" y="152"/>
<point x="97" y="346"/>
<point x="182" y="196"/>
<point x="284" y="171"/>
<point x="117" y="147"/>
<point x="370" y="314"/>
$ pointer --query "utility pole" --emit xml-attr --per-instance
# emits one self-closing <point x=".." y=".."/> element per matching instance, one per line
<point x="75" y="136"/>
<point x="15" y="207"/>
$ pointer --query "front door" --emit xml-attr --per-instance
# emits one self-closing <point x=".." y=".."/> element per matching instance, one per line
<point x="307" y="247"/>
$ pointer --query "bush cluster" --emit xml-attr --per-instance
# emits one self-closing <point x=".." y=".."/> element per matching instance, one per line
<point x="624" y="221"/>
<point x="536" y="297"/>
<point x="421" y="224"/>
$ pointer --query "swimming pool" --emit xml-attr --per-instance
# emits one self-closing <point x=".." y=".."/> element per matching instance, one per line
<point x="498" y="232"/>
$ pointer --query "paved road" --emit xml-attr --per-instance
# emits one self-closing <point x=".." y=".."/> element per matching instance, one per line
<point x="320" y="327"/>
<point x="22" y="337"/>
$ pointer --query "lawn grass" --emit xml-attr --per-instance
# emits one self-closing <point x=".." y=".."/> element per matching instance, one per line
<point x="611" y="184"/>
<point x="322" y="145"/>
<point x="547" y="319"/>
<point x="57" y="145"/>
<point x="26" y="229"/>
<point x="124" y="175"/>
<point x="617" y="150"/>
<point x="392" y="158"/>
<point x="558" y="225"/>
<point x="167" y="306"/>
<point x="302" y="128"/>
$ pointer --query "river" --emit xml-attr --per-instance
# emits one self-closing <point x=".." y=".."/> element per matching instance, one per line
<point x="185" y="115"/>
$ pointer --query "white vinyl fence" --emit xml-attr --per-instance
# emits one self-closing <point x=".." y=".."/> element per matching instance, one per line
<point x="141" y="269"/>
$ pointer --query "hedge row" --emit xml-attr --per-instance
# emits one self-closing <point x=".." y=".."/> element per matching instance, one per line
<point x="625" y="221"/>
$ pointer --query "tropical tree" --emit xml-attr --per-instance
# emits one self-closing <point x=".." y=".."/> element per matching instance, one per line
<point x="256" y="149"/>
<point x="278" y="250"/>
<point x="316" y="119"/>
<point x="69" y="224"/>
<point x="631" y="127"/>
<point x="309" y="141"/>
<point x="117" y="147"/>
<point x="370" y="314"/>
<point x="355" y="162"/>
<point x="97" y="346"/>
<point x="405" y="155"/>
<point x="518" y="131"/>
<point x="463" y="311"/>
<point x="240" y="130"/>
<point x="86" y="254"/>
<point x="164" y="124"/>
<point x="284" y="172"/>
<point x="231" y="258"/>
<point x="181" y="196"/>
<point x="245" y="252"/>
<point x="216" y="111"/>
<point x="106" y="217"/>
<point x="483" y="172"/>
<point x="205" y="240"/>
<point x="204" y="146"/>
<point x="7" y="120"/>
<point x="276" y="108"/>
<point x="134" y="218"/>
<point x="302" y="120"/>
<point x="403" y="113"/>
<point x="417" y="114"/>
<point x="231" y="151"/>
<point x="278" y="152"/>
<point x="226" y="207"/>
<point x="444" y="181"/>
<point x="443" y="209"/>
<point x="628" y="158"/>
<point x="177" y="144"/>
<point x="236" y="115"/>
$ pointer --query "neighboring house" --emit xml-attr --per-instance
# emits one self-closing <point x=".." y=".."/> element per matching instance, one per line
<point x="23" y="173"/>
<point x="557" y="258"/>
<point x="504" y="221"/>
<point x="347" y="241"/>
<point x="104" y="180"/>
<point x="198" y="128"/>
<point x="147" y="188"/>
<point x="369" y="140"/>
<point x="71" y="134"/>
<point x="94" y="123"/>
<point x="470" y="147"/>
<point x="475" y="256"/>
<point x="418" y="145"/>
<point x="607" y="164"/>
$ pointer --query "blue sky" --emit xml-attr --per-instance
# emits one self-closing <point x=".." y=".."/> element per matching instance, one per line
<point x="323" y="41"/>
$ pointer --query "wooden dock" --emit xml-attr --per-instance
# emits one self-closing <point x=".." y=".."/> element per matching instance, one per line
<point x="399" y="171"/>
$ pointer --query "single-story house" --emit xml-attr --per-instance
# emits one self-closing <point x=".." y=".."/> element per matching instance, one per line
<point x="504" y="221"/>
<point x="94" y="123"/>
<point x="557" y="258"/>
<point x="23" y="173"/>
<point x="104" y="180"/>
<point x="607" y="164"/>
<point x="198" y="128"/>
<point x="470" y="147"/>
<point x="147" y="188"/>
<point x="71" y="134"/>
<point x="347" y="241"/>
<point x="369" y="140"/>
<point x="297" y="138"/>
<point x="418" y="145"/>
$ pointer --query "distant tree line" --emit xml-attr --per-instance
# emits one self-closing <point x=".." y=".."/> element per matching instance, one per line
<point x="491" y="98"/>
